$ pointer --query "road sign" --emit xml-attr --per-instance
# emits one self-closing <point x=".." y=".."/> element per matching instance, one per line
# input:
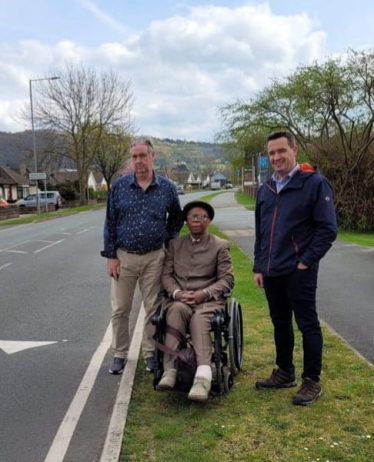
<point x="37" y="176"/>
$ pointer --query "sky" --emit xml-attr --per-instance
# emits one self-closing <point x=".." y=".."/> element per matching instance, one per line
<point x="184" y="59"/>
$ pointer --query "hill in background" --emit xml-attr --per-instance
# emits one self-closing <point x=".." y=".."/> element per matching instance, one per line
<point x="192" y="156"/>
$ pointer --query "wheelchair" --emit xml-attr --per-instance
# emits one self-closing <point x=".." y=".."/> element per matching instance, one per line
<point x="227" y="345"/>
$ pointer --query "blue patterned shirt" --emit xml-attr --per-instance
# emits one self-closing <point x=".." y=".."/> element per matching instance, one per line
<point x="141" y="220"/>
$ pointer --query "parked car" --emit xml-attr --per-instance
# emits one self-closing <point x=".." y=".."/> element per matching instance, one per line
<point x="180" y="189"/>
<point x="215" y="185"/>
<point x="52" y="198"/>
<point x="4" y="203"/>
<point x="228" y="186"/>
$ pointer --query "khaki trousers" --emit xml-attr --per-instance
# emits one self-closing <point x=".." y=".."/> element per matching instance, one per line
<point x="180" y="316"/>
<point x="146" y="270"/>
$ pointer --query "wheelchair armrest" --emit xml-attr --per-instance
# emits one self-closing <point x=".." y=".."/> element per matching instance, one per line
<point x="159" y="318"/>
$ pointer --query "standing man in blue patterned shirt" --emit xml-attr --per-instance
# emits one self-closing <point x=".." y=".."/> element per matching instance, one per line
<point x="143" y="214"/>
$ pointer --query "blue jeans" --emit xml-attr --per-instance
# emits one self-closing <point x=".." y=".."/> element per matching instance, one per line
<point x="296" y="293"/>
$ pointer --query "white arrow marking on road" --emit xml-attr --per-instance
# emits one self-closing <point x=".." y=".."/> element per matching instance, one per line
<point x="10" y="346"/>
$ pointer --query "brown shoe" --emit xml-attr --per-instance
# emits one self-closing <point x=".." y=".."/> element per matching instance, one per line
<point x="309" y="392"/>
<point x="278" y="379"/>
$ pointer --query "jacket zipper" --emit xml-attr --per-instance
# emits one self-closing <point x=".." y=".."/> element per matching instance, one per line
<point x="272" y="231"/>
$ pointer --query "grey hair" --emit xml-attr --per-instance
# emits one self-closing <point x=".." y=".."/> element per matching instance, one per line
<point x="146" y="140"/>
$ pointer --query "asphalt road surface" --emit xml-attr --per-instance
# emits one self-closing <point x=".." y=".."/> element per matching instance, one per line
<point x="53" y="288"/>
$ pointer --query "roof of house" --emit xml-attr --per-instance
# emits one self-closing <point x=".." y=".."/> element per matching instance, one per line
<point x="9" y="176"/>
<point x="218" y="176"/>
<point x="62" y="176"/>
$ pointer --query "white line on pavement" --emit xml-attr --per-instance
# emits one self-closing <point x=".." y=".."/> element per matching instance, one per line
<point x="83" y="231"/>
<point x="113" y="441"/>
<point x="64" y="434"/>
<point x="50" y="245"/>
<point x="5" y="266"/>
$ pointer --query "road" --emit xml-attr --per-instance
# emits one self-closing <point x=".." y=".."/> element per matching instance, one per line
<point x="54" y="289"/>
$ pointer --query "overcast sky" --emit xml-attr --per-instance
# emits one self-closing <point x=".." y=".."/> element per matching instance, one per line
<point x="185" y="59"/>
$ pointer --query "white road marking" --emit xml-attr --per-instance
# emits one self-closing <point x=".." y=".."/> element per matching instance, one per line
<point x="5" y="266"/>
<point x="10" y="249"/>
<point x="113" y="441"/>
<point x="16" y="251"/>
<point x="64" y="434"/>
<point x="69" y="234"/>
<point x="10" y="346"/>
<point x="84" y="230"/>
<point x="48" y="246"/>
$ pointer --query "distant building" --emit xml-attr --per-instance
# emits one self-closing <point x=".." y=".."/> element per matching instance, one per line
<point x="15" y="183"/>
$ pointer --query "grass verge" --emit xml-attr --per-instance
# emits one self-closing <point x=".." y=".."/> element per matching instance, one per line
<point x="257" y="425"/>
<point x="243" y="199"/>
<point x="365" y="239"/>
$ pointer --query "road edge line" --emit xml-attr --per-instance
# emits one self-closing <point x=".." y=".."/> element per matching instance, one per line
<point x="114" y="437"/>
<point x="67" y="427"/>
<point x="346" y="343"/>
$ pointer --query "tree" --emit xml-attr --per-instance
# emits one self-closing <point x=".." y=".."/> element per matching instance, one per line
<point x="82" y="108"/>
<point x="330" y="110"/>
<point x="112" y="152"/>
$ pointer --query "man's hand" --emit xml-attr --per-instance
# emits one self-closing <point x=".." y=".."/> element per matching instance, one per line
<point x="200" y="297"/>
<point x="190" y="297"/>
<point x="259" y="280"/>
<point x="113" y="267"/>
<point x="301" y="266"/>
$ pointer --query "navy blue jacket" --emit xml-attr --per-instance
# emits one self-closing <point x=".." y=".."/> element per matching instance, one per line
<point x="298" y="224"/>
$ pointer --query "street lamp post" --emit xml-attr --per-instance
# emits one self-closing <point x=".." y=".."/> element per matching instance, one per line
<point x="33" y="136"/>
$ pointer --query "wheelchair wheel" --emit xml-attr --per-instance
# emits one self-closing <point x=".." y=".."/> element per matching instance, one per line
<point x="235" y="340"/>
<point x="228" y="380"/>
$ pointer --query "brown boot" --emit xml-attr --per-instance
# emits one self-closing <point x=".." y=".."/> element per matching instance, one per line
<point x="278" y="379"/>
<point x="309" y="392"/>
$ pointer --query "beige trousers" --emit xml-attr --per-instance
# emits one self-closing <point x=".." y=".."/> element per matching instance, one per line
<point x="146" y="270"/>
<point x="180" y="316"/>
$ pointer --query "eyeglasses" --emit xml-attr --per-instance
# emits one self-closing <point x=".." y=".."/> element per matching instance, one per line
<point x="197" y="217"/>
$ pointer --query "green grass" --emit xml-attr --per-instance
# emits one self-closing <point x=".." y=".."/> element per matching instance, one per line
<point x="243" y="199"/>
<point x="34" y="218"/>
<point x="365" y="239"/>
<point x="257" y="425"/>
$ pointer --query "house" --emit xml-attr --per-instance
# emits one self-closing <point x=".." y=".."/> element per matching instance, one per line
<point x="15" y="183"/>
<point x="64" y="175"/>
<point x="96" y="181"/>
<point x="219" y="178"/>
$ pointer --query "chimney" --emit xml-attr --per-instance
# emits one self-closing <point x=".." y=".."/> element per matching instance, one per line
<point x="22" y="169"/>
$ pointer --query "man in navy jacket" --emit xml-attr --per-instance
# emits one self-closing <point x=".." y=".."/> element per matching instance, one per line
<point x="295" y="227"/>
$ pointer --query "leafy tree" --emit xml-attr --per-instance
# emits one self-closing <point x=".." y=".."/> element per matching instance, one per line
<point x="81" y="109"/>
<point x="329" y="107"/>
<point x="112" y="152"/>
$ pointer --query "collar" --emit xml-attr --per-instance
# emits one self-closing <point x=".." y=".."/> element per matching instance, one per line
<point x="152" y="183"/>
<point x="289" y="175"/>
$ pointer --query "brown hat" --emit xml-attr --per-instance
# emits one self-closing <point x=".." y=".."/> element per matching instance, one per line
<point x="204" y="205"/>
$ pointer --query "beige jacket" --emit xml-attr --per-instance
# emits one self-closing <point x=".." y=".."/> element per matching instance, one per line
<point x="196" y="266"/>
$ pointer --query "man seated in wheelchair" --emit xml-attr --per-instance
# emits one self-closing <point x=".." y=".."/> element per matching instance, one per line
<point x="197" y="272"/>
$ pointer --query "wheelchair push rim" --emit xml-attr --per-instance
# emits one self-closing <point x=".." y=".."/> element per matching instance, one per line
<point x="235" y="340"/>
